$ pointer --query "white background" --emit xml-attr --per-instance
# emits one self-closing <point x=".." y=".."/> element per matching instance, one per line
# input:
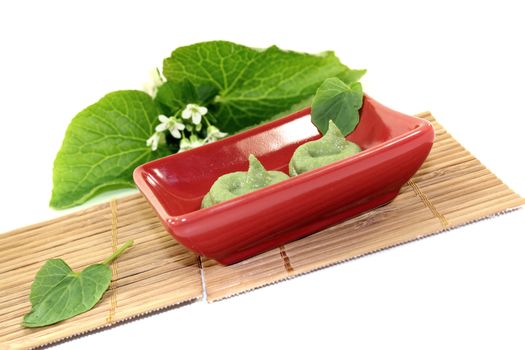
<point x="463" y="61"/>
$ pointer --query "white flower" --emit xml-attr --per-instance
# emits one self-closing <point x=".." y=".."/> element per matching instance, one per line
<point x="156" y="80"/>
<point x="195" y="112"/>
<point x="171" y="124"/>
<point x="213" y="134"/>
<point x="192" y="142"/>
<point x="153" y="141"/>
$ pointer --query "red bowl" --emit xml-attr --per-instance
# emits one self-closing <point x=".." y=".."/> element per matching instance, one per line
<point x="394" y="147"/>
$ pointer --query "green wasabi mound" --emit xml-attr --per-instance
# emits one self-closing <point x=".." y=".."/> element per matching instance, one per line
<point x="330" y="148"/>
<point x="234" y="184"/>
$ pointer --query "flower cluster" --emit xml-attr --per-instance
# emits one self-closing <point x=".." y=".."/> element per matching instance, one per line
<point x="187" y="127"/>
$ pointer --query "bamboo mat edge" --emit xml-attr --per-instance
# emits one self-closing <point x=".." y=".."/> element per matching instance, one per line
<point x="343" y="261"/>
<point x="102" y="328"/>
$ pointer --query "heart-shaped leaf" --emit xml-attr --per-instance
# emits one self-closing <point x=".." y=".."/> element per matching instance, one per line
<point x="59" y="293"/>
<point x="338" y="102"/>
<point x="73" y="295"/>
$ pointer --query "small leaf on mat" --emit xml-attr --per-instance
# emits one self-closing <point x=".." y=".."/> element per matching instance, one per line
<point x="59" y="293"/>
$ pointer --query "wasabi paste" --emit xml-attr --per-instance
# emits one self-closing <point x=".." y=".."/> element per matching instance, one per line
<point x="330" y="148"/>
<point x="234" y="184"/>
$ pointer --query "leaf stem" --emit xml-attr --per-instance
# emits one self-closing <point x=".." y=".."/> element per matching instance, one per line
<point x="117" y="252"/>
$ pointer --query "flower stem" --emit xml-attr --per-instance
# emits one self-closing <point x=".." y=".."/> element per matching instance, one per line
<point x="206" y="120"/>
<point x="117" y="252"/>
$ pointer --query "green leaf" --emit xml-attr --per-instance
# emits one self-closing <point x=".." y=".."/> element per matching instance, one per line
<point x="47" y="278"/>
<point x="74" y="294"/>
<point x="102" y="146"/>
<point x="253" y="85"/>
<point x="338" y="102"/>
<point x="58" y="293"/>
<point x="174" y="96"/>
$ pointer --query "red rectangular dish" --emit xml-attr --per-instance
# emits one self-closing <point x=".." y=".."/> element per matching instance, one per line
<point x="394" y="147"/>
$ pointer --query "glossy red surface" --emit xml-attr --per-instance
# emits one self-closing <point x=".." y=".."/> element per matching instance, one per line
<point x="394" y="147"/>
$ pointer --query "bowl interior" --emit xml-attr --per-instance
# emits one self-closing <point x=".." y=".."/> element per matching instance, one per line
<point x="178" y="182"/>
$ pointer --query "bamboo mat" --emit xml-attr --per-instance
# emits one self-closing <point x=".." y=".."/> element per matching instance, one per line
<point x="452" y="188"/>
